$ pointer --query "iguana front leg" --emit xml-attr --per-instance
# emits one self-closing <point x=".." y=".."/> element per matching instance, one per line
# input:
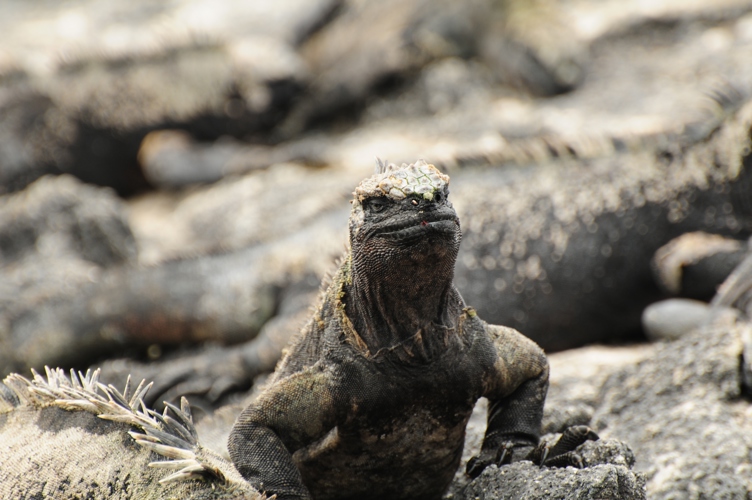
<point x="516" y="388"/>
<point x="293" y="413"/>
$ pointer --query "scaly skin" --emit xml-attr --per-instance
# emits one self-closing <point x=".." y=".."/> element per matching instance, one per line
<point x="373" y="398"/>
<point x="562" y="251"/>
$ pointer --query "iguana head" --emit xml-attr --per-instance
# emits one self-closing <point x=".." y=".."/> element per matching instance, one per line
<point x="404" y="212"/>
<point x="404" y="240"/>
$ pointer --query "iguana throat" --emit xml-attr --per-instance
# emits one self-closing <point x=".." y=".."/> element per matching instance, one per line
<point x="404" y="245"/>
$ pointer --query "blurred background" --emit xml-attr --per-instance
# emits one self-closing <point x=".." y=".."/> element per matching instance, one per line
<point x="175" y="176"/>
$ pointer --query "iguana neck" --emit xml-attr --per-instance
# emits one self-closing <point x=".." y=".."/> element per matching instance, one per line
<point x="411" y="299"/>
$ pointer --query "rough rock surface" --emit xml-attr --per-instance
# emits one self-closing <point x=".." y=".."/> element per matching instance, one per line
<point x="81" y="84"/>
<point x="57" y="236"/>
<point x="524" y="480"/>
<point x="684" y="413"/>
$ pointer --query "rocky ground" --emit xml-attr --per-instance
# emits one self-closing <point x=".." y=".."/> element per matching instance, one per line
<point x="174" y="184"/>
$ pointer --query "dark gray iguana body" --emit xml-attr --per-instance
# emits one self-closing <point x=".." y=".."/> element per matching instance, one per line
<point x="74" y="438"/>
<point x="562" y="251"/>
<point x="373" y="399"/>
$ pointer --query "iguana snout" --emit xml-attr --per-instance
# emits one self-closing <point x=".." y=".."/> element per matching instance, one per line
<point x="406" y="209"/>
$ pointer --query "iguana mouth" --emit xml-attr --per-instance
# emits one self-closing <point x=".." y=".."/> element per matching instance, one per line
<point x="429" y="224"/>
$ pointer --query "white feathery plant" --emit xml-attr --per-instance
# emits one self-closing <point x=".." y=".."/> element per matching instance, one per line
<point x="170" y="434"/>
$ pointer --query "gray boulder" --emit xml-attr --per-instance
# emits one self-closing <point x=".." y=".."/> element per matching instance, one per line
<point x="682" y="411"/>
<point x="607" y="476"/>
<point x="526" y="481"/>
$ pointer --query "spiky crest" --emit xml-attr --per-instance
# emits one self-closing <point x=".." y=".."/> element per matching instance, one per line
<point x="170" y="434"/>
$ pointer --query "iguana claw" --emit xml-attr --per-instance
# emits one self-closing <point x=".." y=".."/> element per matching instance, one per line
<point x="506" y="454"/>
<point x="562" y="453"/>
<point x="477" y="464"/>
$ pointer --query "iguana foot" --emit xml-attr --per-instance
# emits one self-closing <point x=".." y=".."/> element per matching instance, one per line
<point x="508" y="452"/>
<point x="562" y="453"/>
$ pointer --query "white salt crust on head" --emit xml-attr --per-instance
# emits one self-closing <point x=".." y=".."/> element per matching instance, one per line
<point x="399" y="182"/>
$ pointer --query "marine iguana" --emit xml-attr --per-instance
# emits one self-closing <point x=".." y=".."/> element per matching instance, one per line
<point x="373" y="399"/>
<point x="562" y="251"/>
<point x="72" y="438"/>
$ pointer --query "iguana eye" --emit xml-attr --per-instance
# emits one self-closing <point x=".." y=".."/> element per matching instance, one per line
<point x="376" y="204"/>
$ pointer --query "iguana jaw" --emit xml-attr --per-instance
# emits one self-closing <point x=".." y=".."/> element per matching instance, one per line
<point x="404" y="234"/>
<point x="419" y="225"/>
